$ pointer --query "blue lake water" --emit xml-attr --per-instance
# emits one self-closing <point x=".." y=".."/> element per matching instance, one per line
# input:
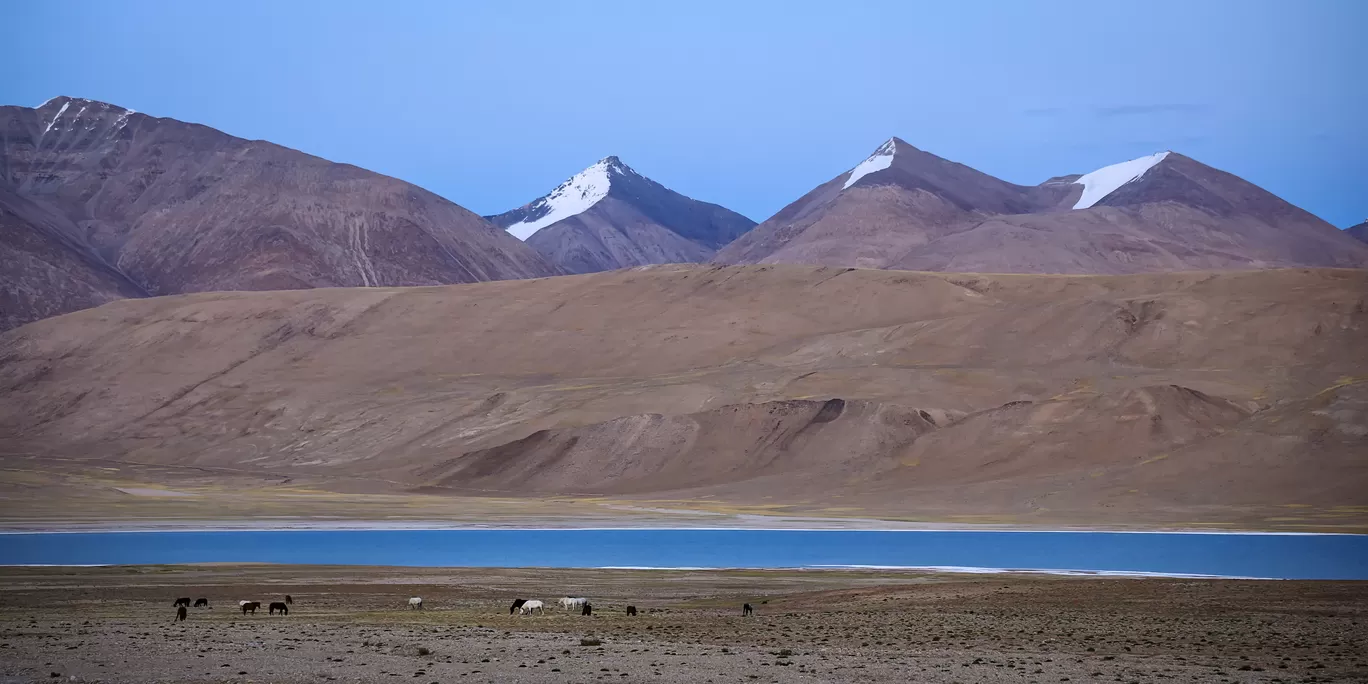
<point x="1238" y="555"/>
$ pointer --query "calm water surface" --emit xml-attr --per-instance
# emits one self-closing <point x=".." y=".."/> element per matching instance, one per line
<point x="1239" y="555"/>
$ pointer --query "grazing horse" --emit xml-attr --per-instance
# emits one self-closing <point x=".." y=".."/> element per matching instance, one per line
<point x="249" y="606"/>
<point x="202" y="603"/>
<point x="289" y="599"/>
<point x="588" y="609"/>
<point x="631" y="610"/>
<point x="517" y="603"/>
<point x="280" y="606"/>
<point x="529" y="606"/>
<point x="181" y="602"/>
<point x="415" y="603"/>
<point x="180" y="613"/>
<point x="746" y="610"/>
<point x="573" y="603"/>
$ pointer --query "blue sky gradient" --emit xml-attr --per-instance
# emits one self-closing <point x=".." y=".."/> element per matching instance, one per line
<point x="747" y="104"/>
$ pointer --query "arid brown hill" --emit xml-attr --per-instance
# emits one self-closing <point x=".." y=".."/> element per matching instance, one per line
<point x="171" y="207"/>
<point x="905" y="208"/>
<point x="608" y="216"/>
<point x="1178" y="398"/>
<point x="1358" y="232"/>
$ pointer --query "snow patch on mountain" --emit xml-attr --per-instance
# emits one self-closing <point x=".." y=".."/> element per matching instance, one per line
<point x="570" y="198"/>
<point x="1104" y="181"/>
<point x="60" y="112"/>
<point x="880" y="160"/>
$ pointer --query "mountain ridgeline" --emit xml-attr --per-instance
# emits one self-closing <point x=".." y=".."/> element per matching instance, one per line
<point x="608" y="216"/>
<point x="98" y="202"/>
<point x="903" y="208"/>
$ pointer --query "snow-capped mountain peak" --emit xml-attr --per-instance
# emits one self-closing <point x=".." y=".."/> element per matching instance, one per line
<point x="572" y="197"/>
<point x="880" y="160"/>
<point x="1104" y="181"/>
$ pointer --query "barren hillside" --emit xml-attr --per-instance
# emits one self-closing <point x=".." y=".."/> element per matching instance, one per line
<point x="1236" y="398"/>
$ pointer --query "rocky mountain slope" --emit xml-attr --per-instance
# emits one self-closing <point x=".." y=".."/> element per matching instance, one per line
<point x="608" y="216"/>
<point x="173" y="207"/>
<point x="1358" y="232"/>
<point x="1134" y="399"/>
<point x="908" y="209"/>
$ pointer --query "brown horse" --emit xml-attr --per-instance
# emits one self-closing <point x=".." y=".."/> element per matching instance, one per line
<point x="517" y="603"/>
<point x="746" y="610"/>
<point x="280" y="606"/>
<point x="180" y="613"/>
<point x="182" y="602"/>
<point x="631" y="610"/>
<point x="249" y="606"/>
<point x="202" y="602"/>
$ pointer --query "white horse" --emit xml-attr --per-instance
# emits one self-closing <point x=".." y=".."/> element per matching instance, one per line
<point x="415" y="603"/>
<point x="573" y="603"/>
<point x="531" y="606"/>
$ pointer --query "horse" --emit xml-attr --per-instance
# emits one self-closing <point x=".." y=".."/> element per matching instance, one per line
<point x="415" y="603"/>
<point x="181" y="602"/>
<point x="289" y="599"/>
<point x="277" y="605"/>
<point x="529" y="606"/>
<point x="202" y="603"/>
<point x="588" y="609"/>
<point x="746" y="610"/>
<point x="573" y="603"/>
<point x="517" y="603"/>
<point x="180" y="613"/>
<point x="249" y="606"/>
<point x="631" y="610"/>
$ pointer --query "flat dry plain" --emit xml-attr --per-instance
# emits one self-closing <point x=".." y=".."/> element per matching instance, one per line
<point x="352" y="625"/>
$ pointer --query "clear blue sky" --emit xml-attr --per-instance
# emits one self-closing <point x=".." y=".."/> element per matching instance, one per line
<point x="745" y="103"/>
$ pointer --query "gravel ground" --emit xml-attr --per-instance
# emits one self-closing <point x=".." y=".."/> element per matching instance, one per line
<point x="352" y="625"/>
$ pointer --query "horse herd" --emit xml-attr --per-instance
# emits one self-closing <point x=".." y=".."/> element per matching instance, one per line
<point x="282" y="607"/>
<point x="520" y="606"/>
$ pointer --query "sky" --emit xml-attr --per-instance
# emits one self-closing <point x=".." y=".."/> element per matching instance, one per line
<point x="746" y="104"/>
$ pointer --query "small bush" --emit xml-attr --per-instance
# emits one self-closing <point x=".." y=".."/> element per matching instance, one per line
<point x="590" y="641"/>
<point x="424" y="650"/>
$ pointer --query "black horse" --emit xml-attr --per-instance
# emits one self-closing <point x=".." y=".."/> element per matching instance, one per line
<point x="517" y="603"/>
<point x="202" y="603"/>
<point x="182" y="602"/>
<point x="250" y="607"/>
<point x="289" y="599"/>
<point x="280" y="606"/>
<point x="180" y="613"/>
<point x="631" y="610"/>
<point x="588" y="609"/>
<point x="746" y="610"/>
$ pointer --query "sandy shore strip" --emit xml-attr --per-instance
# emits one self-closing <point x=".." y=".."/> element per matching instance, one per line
<point x="748" y="522"/>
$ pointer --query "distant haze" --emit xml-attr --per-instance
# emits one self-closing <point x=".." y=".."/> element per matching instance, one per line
<point x="748" y="105"/>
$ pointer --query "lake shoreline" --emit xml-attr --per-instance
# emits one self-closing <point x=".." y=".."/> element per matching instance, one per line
<point x="746" y="523"/>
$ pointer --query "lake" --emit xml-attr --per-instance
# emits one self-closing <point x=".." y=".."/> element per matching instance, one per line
<point x="1273" y="556"/>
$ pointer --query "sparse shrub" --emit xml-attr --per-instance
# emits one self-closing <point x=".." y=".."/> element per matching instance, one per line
<point x="424" y="650"/>
<point x="590" y="641"/>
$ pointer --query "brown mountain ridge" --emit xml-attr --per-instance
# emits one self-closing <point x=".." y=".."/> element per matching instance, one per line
<point x="171" y="207"/>
<point x="904" y="208"/>
<point x="1033" y="399"/>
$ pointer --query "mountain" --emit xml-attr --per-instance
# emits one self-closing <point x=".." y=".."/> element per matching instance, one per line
<point x="1359" y="232"/>
<point x="175" y="207"/>
<point x="48" y="269"/>
<point x="908" y="209"/>
<point x="787" y="389"/>
<point x="608" y="216"/>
